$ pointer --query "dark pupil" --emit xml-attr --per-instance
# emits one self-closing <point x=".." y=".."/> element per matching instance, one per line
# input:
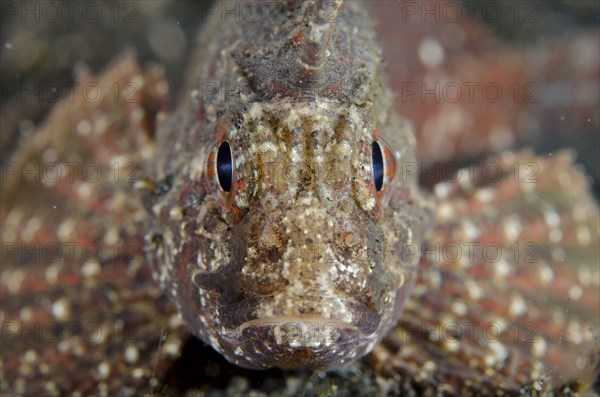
<point x="225" y="166"/>
<point x="377" y="159"/>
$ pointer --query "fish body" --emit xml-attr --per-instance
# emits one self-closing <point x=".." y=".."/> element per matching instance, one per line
<point x="298" y="258"/>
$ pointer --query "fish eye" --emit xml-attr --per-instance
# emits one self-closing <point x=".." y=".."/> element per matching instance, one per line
<point x="231" y="182"/>
<point x="384" y="167"/>
<point x="378" y="165"/>
<point x="225" y="166"/>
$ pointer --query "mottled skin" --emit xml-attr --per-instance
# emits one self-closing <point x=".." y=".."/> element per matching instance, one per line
<point x="302" y="264"/>
<point x="145" y="349"/>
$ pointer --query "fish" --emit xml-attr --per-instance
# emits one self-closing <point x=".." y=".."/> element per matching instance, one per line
<point x="514" y="312"/>
<point x="280" y="233"/>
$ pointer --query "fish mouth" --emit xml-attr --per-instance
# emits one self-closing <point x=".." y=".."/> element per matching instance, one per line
<point x="290" y="331"/>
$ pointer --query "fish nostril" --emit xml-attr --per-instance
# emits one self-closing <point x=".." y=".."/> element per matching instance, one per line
<point x="269" y="202"/>
<point x="271" y="239"/>
<point x="349" y="239"/>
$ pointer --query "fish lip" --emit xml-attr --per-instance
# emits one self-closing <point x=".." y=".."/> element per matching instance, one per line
<point x="236" y="319"/>
<point x="326" y="338"/>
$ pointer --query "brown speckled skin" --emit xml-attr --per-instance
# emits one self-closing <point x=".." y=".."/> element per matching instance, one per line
<point x="145" y="349"/>
<point x="302" y="264"/>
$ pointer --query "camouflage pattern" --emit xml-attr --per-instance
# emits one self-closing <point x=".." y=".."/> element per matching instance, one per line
<point x="94" y="323"/>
